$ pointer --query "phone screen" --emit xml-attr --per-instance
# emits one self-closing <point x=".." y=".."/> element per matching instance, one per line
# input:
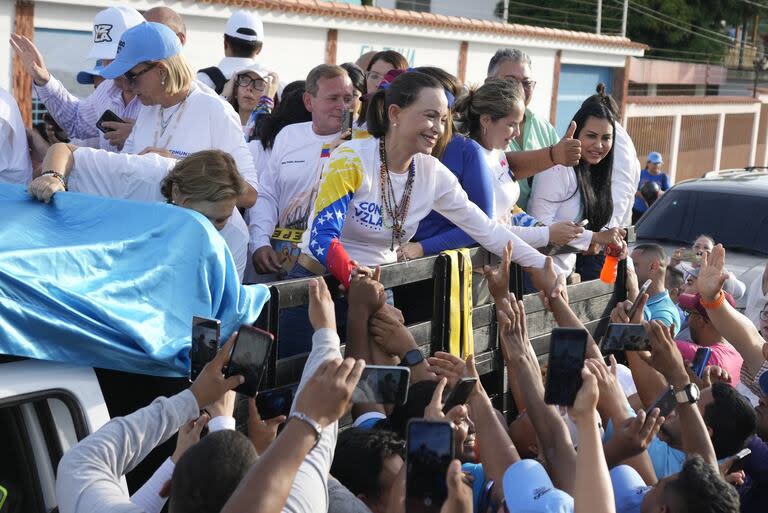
<point x="382" y="384"/>
<point x="249" y="358"/>
<point x="741" y="458"/>
<point x="626" y="337"/>
<point x="666" y="402"/>
<point x="275" y="402"/>
<point x="430" y="451"/>
<point x="460" y="393"/>
<point x="346" y="125"/>
<point x="567" y="349"/>
<point x="700" y="360"/>
<point x="205" y="344"/>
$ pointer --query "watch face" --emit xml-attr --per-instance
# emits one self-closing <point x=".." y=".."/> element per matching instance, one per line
<point x="694" y="392"/>
<point x="413" y="357"/>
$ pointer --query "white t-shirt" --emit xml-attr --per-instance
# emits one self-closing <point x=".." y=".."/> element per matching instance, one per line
<point x="506" y="190"/>
<point x="228" y="66"/>
<point x="756" y="300"/>
<point x="138" y="177"/>
<point x="203" y="121"/>
<point x="555" y="198"/>
<point x="289" y="182"/>
<point x="625" y="176"/>
<point x="260" y="157"/>
<point x="15" y="164"/>
<point x="349" y="208"/>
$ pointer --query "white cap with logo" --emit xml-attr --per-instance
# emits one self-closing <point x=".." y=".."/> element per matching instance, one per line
<point x="246" y="25"/>
<point x="108" y="28"/>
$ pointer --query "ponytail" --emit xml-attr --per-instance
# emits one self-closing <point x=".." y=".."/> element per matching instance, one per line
<point x="376" y="116"/>
<point x="496" y="98"/>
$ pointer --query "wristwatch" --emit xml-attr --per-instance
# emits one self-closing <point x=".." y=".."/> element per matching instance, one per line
<point x="411" y="358"/>
<point x="316" y="427"/>
<point x="688" y="395"/>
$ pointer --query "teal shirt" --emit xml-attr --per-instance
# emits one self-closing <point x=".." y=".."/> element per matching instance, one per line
<point x="538" y="133"/>
<point x="660" y="307"/>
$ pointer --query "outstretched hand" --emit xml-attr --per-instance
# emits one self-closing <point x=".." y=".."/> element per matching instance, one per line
<point x="498" y="278"/>
<point x="322" y="313"/>
<point x="31" y="59"/>
<point x="712" y="273"/>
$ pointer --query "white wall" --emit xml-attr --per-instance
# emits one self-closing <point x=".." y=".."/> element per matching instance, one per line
<point x="7" y="17"/>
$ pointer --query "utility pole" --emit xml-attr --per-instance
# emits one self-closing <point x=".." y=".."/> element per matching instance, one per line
<point x="599" y="15"/>
<point x="624" y="19"/>
<point x="505" y="16"/>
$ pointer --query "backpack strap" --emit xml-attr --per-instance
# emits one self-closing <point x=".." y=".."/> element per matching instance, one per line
<point x="216" y="76"/>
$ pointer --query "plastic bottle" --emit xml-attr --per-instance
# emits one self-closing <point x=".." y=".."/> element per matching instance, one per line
<point x="611" y="265"/>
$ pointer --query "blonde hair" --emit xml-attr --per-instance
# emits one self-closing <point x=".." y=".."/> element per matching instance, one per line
<point x="179" y="76"/>
<point x="209" y="175"/>
<point x="495" y="98"/>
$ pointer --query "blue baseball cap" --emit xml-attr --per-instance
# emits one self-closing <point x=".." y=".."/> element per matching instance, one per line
<point x="86" y="76"/>
<point x="528" y="489"/>
<point x="148" y="41"/>
<point x="629" y="489"/>
<point x="654" y="157"/>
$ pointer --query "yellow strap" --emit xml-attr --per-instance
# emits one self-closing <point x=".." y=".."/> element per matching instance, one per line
<point x="289" y="234"/>
<point x="454" y="304"/>
<point x="3" y="496"/>
<point x="467" y="333"/>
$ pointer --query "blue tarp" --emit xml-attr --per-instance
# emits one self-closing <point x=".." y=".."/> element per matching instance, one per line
<point x="113" y="283"/>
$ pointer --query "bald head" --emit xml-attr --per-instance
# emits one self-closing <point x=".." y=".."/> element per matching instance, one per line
<point x="170" y="19"/>
<point x="364" y="60"/>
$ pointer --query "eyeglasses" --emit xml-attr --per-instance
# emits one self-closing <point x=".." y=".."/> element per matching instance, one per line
<point x="528" y="85"/>
<point x="131" y="77"/>
<point x="375" y="76"/>
<point x="246" y="81"/>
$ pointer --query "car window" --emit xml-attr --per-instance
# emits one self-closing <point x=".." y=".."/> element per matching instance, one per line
<point x="737" y="221"/>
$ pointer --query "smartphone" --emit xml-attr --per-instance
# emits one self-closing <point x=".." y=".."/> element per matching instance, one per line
<point x="108" y="116"/>
<point x="249" y="358"/>
<point x="738" y="464"/>
<point x="690" y="255"/>
<point x="460" y="393"/>
<point x="700" y="360"/>
<point x="567" y="348"/>
<point x="429" y="450"/>
<point x="275" y="402"/>
<point x="583" y="223"/>
<point x="206" y="334"/>
<point x="382" y="384"/>
<point x="633" y="309"/>
<point x="666" y="402"/>
<point x="626" y="337"/>
<point x="346" y="125"/>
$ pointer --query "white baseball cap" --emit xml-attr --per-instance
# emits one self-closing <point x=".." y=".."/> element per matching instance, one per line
<point x="108" y="28"/>
<point x="245" y="25"/>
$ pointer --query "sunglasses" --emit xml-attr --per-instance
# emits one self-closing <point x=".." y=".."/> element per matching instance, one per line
<point x="131" y="77"/>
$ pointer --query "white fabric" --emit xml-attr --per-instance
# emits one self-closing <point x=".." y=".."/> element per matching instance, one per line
<point x="260" y="158"/>
<point x="138" y="177"/>
<point x="228" y="65"/>
<point x="434" y="188"/>
<point x="108" y="27"/>
<point x="288" y="183"/>
<point x="203" y="121"/>
<point x="756" y="300"/>
<point x="625" y="176"/>
<point x="624" y="375"/>
<point x="15" y="164"/>
<point x="555" y="198"/>
<point x="245" y="20"/>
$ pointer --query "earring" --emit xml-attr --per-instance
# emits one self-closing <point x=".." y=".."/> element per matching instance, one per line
<point x="394" y="124"/>
<point x="162" y="80"/>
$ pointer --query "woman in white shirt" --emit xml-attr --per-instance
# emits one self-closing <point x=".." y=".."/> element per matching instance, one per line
<point x="584" y="191"/>
<point x="178" y="118"/>
<point x="207" y="182"/>
<point x="251" y="92"/>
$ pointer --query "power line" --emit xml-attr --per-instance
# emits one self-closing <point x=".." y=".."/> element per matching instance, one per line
<point x="561" y="11"/>
<point x="558" y="24"/>
<point x="757" y="4"/>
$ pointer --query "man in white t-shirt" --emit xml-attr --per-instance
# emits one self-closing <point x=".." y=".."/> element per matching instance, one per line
<point x="243" y="39"/>
<point x="15" y="163"/>
<point x="289" y="183"/>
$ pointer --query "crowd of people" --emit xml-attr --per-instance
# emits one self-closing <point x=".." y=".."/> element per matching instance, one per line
<point x="375" y="162"/>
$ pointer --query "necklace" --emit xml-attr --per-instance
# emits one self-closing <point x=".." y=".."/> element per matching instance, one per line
<point x="394" y="211"/>
<point x="164" y="124"/>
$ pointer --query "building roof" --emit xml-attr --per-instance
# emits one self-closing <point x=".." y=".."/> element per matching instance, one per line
<point x="426" y="19"/>
<point x="690" y="100"/>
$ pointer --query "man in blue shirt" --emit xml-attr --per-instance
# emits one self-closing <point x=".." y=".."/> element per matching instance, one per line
<point x="651" y="173"/>
<point x="650" y="263"/>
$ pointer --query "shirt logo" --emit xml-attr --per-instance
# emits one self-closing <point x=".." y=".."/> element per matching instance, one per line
<point x="101" y="33"/>
<point x="538" y="493"/>
<point x="368" y="214"/>
<point x="120" y="46"/>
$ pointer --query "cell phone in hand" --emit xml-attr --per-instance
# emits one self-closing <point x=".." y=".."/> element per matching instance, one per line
<point x="108" y="116"/>
<point x="346" y="125"/>
<point x="382" y="384"/>
<point x="249" y="358"/>
<point x="666" y="402"/>
<point x="633" y="309"/>
<point x="738" y="464"/>
<point x="459" y="394"/>
<point x="626" y="337"/>
<point x="700" y="360"/>
<point x="567" y="349"/>
<point x="205" y="344"/>
<point x="275" y="402"/>
<point x="429" y="448"/>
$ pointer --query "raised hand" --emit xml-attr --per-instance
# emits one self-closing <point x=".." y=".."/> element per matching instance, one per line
<point x="31" y="59"/>
<point x="434" y="410"/>
<point x="366" y="295"/>
<point x="612" y="399"/>
<point x="635" y="434"/>
<point x="189" y="435"/>
<point x="498" y="278"/>
<point x="327" y="394"/>
<point x="513" y="328"/>
<point x="390" y="333"/>
<point x="567" y="151"/>
<point x="665" y="357"/>
<point x="211" y="384"/>
<point x="712" y="274"/>
<point x="585" y="404"/>
<point x="261" y="432"/>
<point x="459" y="493"/>
<point x="322" y="313"/>
<point x="451" y="367"/>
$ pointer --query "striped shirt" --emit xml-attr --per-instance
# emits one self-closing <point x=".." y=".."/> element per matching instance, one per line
<point x="78" y="117"/>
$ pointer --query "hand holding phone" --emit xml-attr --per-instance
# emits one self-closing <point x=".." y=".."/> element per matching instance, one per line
<point x="700" y="361"/>
<point x="346" y="125"/>
<point x="666" y="402"/>
<point x="108" y="116"/>
<point x="429" y="453"/>
<point x="626" y="337"/>
<point x="567" y="349"/>
<point x="205" y="344"/>
<point x="738" y="462"/>
<point x="382" y="384"/>
<point x="249" y="358"/>
<point x="460" y="393"/>
<point x="276" y="402"/>
<point x="633" y="309"/>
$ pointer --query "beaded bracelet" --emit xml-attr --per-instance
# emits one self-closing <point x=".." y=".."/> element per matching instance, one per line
<point x="56" y="175"/>
<point x="719" y="300"/>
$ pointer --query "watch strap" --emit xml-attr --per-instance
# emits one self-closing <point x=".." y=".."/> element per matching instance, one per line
<point x="685" y="396"/>
<point x="412" y="357"/>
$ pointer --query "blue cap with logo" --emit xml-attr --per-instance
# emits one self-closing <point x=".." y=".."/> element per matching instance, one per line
<point x="629" y="489"/>
<point x="528" y="489"/>
<point x="146" y="42"/>
<point x="654" y="157"/>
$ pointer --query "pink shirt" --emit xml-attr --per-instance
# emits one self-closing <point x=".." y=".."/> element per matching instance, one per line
<point x="723" y="355"/>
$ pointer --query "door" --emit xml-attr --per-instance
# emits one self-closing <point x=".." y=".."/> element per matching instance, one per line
<point x="577" y="83"/>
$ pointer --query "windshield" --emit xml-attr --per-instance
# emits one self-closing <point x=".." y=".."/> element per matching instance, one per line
<point x="739" y="222"/>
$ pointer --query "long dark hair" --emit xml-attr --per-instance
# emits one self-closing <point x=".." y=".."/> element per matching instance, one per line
<point x="402" y="92"/>
<point x="452" y="85"/>
<point x="594" y="181"/>
<point x="290" y="110"/>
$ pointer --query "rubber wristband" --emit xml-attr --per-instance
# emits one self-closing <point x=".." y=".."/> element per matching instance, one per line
<point x="552" y="154"/>
<point x="717" y="303"/>
<point x="56" y="175"/>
